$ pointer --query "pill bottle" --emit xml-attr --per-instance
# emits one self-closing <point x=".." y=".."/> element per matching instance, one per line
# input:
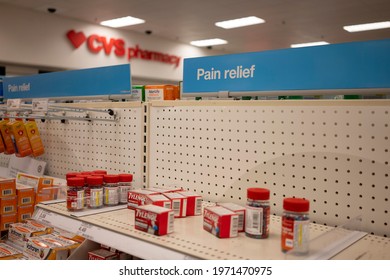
<point x="84" y="177"/>
<point x="75" y="194"/>
<point x="257" y="214"/>
<point x="111" y="190"/>
<point x="99" y="172"/>
<point x="125" y="184"/>
<point x="71" y="174"/>
<point x="295" y="225"/>
<point x="94" y="192"/>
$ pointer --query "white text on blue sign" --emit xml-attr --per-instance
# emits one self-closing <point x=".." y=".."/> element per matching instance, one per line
<point x="238" y="72"/>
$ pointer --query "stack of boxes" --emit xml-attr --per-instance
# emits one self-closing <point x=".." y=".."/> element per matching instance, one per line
<point x="17" y="201"/>
<point x="8" y="203"/>
<point x="156" y="208"/>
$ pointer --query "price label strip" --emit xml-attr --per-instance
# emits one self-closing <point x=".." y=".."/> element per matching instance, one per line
<point x="57" y="220"/>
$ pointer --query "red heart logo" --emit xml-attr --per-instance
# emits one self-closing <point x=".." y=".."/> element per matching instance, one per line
<point x="76" y="38"/>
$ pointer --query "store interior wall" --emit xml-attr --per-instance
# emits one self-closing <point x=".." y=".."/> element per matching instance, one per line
<point x="35" y="40"/>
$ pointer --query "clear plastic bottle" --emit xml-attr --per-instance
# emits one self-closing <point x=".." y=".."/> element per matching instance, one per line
<point x="257" y="216"/>
<point x="86" y="198"/>
<point x="295" y="225"/>
<point x="125" y="184"/>
<point x="75" y="194"/>
<point x="95" y="192"/>
<point x="111" y="190"/>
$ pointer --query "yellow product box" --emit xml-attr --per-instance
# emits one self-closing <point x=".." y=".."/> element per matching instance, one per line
<point x="7" y="187"/>
<point x="34" y="138"/>
<point x="19" y="135"/>
<point x="160" y="92"/>
<point x="25" y="212"/>
<point x="18" y="233"/>
<point x="8" y="205"/>
<point x="6" y="220"/>
<point x="6" y="134"/>
<point x="25" y="194"/>
<point x="8" y="252"/>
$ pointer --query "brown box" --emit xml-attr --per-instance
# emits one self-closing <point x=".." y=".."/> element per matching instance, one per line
<point x="7" y="187"/>
<point x="26" y="195"/>
<point x="25" y="212"/>
<point x="6" y="220"/>
<point x="102" y="254"/>
<point x="8" y="205"/>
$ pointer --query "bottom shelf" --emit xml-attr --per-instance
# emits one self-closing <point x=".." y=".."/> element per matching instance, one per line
<point x="115" y="228"/>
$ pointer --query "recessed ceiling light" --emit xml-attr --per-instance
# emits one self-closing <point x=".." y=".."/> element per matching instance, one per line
<point x="239" y="22"/>
<point x="208" y="42"/>
<point x="311" y="44"/>
<point x="367" y="26"/>
<point x="123" y="21"/>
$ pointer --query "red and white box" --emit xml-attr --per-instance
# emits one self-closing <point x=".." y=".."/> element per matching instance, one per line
<point x="154" y="219"/>
<point x="179" y="204"/>
<point x="238" y="209"/>
<point x="102" y="254"/>
<point x="160" y="200"/>
<point x="194" y="203"/>
<point x="220" y="221"/>
<point x="138" y="197"/>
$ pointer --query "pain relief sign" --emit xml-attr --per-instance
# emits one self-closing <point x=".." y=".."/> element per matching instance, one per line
<point x="328" y="67"/>
<point x="96" y="44"/>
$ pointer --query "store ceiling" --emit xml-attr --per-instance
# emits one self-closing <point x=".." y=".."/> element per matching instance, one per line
<point x="287" y="21"/>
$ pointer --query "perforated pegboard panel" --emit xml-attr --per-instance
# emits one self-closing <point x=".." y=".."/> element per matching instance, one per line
<point x="334" y="153"/>
<point x="81" y="145"/>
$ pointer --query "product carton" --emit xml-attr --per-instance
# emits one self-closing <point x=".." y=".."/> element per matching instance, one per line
<point x="194" y="203"/>
<point x="179" y="204"/>
<point x="161" y="92"/>
<point x="25" y="194"/>
<point x="7" y="252"/>
<point x="7" y="187"/>
<point x="154" y="219"/>
<point x="137" y="93"/>
<point x="160" y="200"/>
<point x="34" y="138"/>
<point x="48" y="247"/>
<point x="25" y="212"/>
<point x="238" y="209"/>
<point x="8" y="205"/>
<point x="220" y="221"/>
<point x="6" y="135"/>
<point x="138" y="197"/>
<point x="102" y="254"/>
<point x="19" y="136"/>
<point x="19" y="233"/>
<point x="6" y="220"/>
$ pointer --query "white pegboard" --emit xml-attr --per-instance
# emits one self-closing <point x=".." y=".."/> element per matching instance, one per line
<point x="81" y="145"/>
<point x="334" y="153"/>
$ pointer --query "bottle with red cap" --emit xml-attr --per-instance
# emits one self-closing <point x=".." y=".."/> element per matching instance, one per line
<point x="125" y="184"/>
<point x="75" y="194"/>
<point x="111" y="190"/>
<point x="295" y="225"/>
<point x="257" y="214"/>
<point x="94" y="192"/>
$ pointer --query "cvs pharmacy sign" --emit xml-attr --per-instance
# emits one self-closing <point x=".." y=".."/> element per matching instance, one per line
<point x="116" y="46"/>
